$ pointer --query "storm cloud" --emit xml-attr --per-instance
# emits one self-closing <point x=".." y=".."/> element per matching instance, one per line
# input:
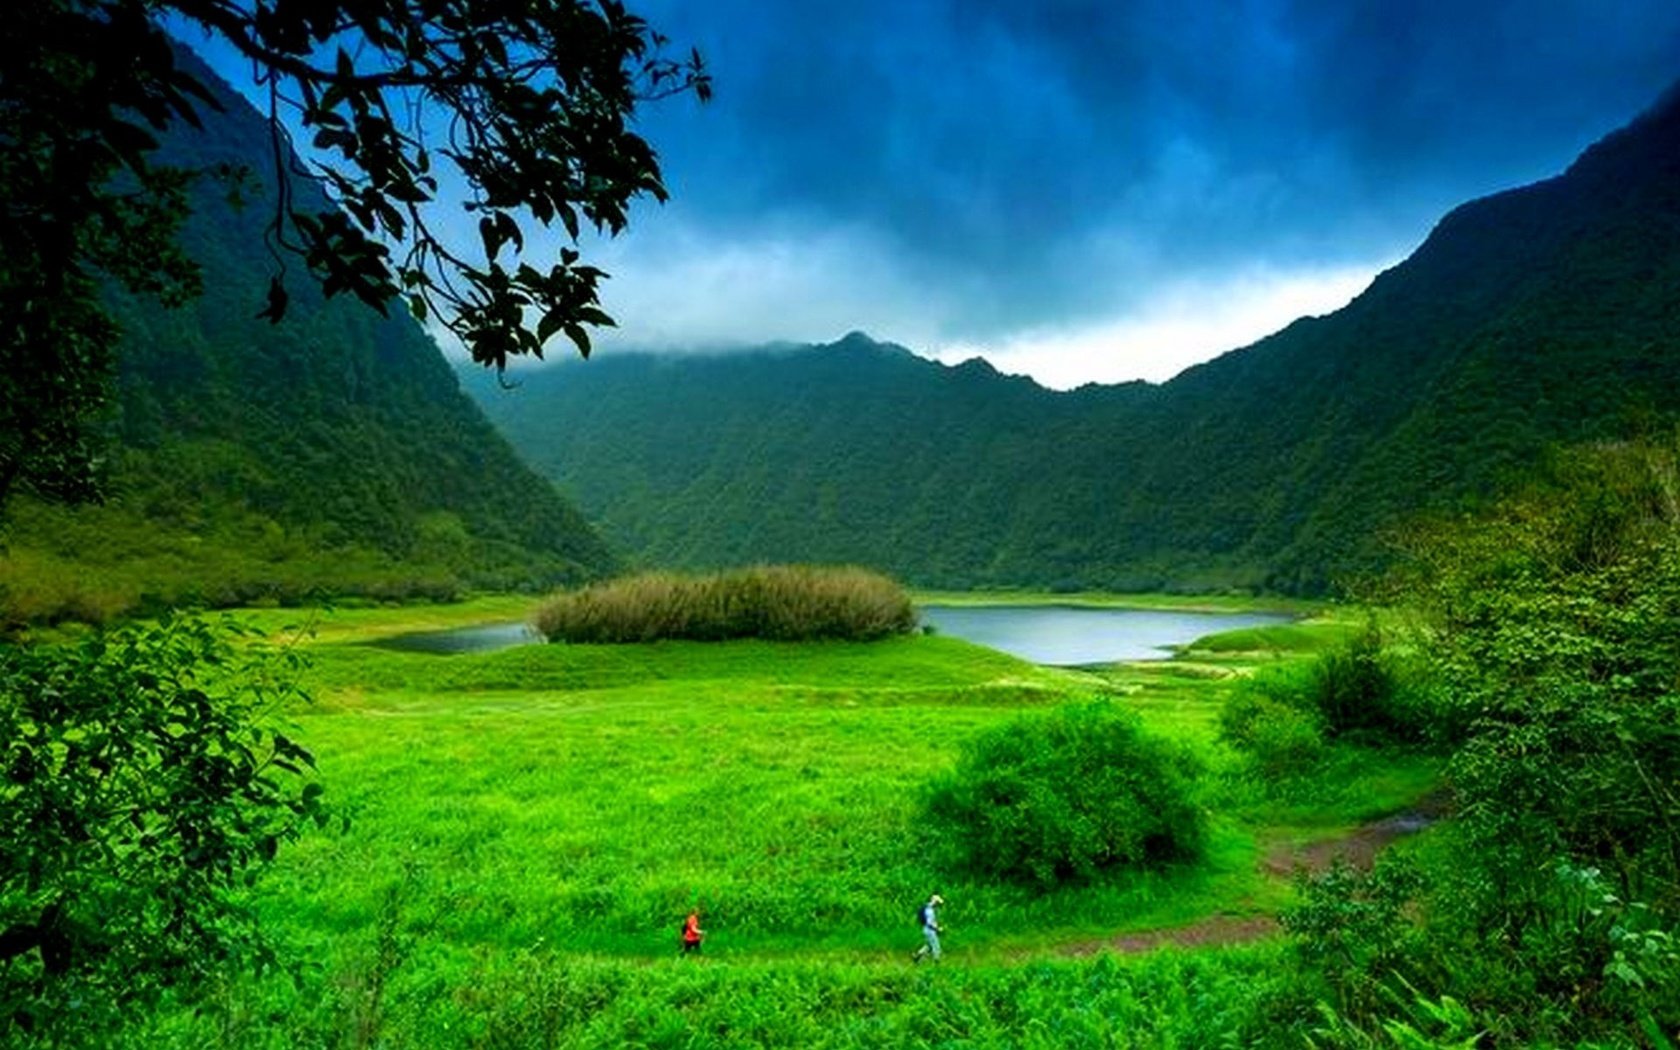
<point x="1084" y="190"/>
<point x="966" y="172"/>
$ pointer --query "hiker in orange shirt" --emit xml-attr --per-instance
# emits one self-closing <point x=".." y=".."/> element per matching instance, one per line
<point x="692" y="933"/>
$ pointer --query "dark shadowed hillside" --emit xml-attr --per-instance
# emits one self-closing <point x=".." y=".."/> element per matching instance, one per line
<point x="333" y="452"/>
<point x="1541" y="316"/>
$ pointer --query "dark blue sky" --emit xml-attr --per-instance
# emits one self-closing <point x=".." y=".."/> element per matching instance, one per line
<point x="999" y="174"/>
<point x="1086" y="190"/>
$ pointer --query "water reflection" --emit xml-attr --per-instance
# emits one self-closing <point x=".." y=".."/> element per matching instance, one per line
<point x="1067" y="635"/>
<point x="480" y="639"/>
<point x="1047" y="634"/>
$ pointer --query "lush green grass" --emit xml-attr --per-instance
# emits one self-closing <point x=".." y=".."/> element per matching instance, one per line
<point x="592" y="791"/>
<point x="567" y="803"/>
<point x="1309" y="637"/>
<point x="355" y="621"/>
<point x="541" y="997"/>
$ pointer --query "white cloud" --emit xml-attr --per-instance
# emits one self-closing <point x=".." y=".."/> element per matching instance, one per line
<point x="1184" y="324"/>
<point x="674" y="288"/>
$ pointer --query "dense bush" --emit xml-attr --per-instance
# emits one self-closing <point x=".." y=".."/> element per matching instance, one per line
<point x="1283" y="715"/>
<point x="1556" y="622"/>
<point x="143" y="786"/>
<point x="1352" y="687"/>
<point x="1282" y="739"/>
<point x="1063" y="797"/>
<point x="1349" y="927"/>
<point x="776" y="602"/>
<point x="1549" y="911"/>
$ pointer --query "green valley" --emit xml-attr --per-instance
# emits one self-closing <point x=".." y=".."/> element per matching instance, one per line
<point x="356" y="697"/>
<point x="553" y="807"/>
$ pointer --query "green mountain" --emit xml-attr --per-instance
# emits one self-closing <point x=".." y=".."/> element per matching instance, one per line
<point x="1540" y="316"/>
<point x="334" y="452"/>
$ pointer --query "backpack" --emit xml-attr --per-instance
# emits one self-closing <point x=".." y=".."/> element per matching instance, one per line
<point x="922" y="916"/>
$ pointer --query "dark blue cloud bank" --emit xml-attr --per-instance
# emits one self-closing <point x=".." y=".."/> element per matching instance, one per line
<point x="987" y="172"/>
<point x="1086" y="190"/>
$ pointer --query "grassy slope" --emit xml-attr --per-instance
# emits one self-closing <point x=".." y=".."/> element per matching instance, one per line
<point x="569" y="802"/>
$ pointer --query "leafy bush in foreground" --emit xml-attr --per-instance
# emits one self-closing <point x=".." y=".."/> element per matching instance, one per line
<point x="140" y="786"/>
<point x="776" y="602"/>
<point x="1063" y="797"/>
<point x="1548" y="909"/>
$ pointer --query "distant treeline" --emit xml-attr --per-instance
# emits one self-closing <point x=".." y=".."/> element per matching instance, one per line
<point x="776" y="602"/>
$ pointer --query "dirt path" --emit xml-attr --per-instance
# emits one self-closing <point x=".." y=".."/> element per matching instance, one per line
<point x="1213" y="930"/>
<point x="1358" y="847"/>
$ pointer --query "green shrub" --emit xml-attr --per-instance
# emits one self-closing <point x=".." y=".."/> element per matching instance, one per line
<point x="1355" y="688"/>
<point x="145" y="788"/>
<point x="1063" y="797"/>
<point x="1352" y="686"/>
<point x="1350" y="926"/>
<point x="777" y="602"/>
<point x="1281" y="738"/>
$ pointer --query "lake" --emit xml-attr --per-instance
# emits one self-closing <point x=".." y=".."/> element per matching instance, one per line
<point x="1045" y="634"/>
<point x="481" y="639"/>
<point x="1068" y="634"/>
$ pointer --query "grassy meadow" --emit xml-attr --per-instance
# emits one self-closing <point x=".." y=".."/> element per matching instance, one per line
<point x="531" y="825"/>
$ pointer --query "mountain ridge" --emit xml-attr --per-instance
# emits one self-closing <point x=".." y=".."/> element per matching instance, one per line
<point x="1539" y="315"/>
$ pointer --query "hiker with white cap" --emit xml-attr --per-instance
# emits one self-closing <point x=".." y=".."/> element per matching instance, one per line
<point x="930" y="929"/>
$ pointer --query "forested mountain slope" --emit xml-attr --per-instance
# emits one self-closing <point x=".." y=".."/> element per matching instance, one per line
<point x="333" y="452"/>
<point x="1540" y="316"/>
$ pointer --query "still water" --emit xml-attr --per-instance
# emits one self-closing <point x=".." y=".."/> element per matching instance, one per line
<point x="480" y="639"/>
<point x="1066" y="634"/>
<point x="1045" y="634"/>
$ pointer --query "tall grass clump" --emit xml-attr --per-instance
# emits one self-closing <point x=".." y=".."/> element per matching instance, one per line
<point x="1061" y="798"/>
<point x="1284" y="715"/>
<point x="774" y="602"/>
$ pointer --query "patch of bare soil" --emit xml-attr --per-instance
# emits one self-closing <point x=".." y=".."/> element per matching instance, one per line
<point x="1358" y="847"/>
<point x="1213" y="930"/>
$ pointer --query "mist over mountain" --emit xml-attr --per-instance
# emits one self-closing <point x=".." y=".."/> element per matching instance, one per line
<point x="1546" y="315"/>
<point x="332" y="452"/>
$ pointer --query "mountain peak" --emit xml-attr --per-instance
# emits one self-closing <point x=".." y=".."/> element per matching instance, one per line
<point x="856" y="340"/>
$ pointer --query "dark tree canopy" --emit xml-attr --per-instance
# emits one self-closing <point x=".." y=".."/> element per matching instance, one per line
<point x="515" y="110"/>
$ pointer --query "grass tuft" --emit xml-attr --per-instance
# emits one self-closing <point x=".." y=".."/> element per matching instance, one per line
<point x="773" y="602"/>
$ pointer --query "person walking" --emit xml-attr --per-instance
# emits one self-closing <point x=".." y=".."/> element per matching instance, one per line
<point x="692" y="934"/>
<point x="931" y="929"/>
